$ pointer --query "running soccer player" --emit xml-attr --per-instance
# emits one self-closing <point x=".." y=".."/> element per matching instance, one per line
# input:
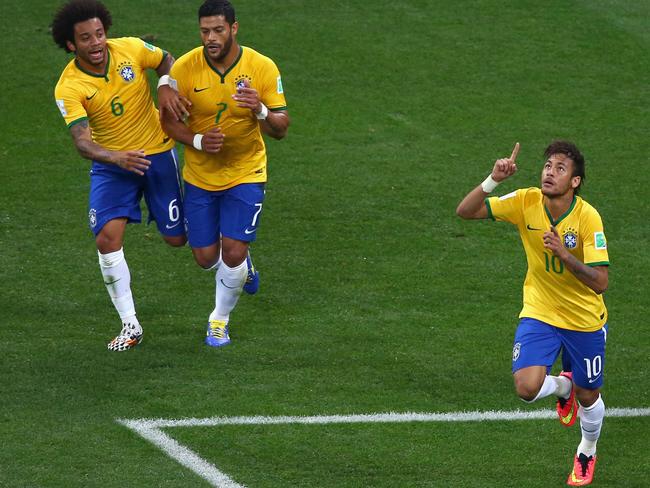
<point x="236" y="94"/>
<point x="563" y="308"/>
<point x="104" y="97"/>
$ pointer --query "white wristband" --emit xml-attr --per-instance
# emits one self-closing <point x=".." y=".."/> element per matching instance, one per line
<point x="197" y="142"/>
<point x="489" y="184"/>
<point x="164" y="80"/>
<point x="264" y="113"/>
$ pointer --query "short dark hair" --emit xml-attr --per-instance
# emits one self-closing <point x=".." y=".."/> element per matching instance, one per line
<point x="72" y="13"/>
<point x="571" y="151"/>
<point x="218" y="7"/>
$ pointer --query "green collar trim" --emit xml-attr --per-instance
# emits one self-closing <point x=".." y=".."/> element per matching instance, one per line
<point x="563" y="216"/>
<point x="90" y="73"/>
<point x="232" y="66"/>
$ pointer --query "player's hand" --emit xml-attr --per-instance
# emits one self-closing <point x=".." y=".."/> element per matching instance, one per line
<point x="212" y="140"/>
<point x="170" y="100"/>
<point x="247" y="97"/>
<point x="503" y="168"/>
<point x="134" y="161"/>
<point x="553" y="242"/>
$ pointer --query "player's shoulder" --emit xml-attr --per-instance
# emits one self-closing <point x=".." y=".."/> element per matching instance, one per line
<point x="190" y="58"/>
<point x="585" y="208"/>
<point x="68" y="81"/>
<point x="251" y="55"/>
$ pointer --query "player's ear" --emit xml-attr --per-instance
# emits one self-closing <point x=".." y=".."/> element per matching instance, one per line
<point x="575" y="182"/>
<point x="234" y="28"/>
<point x="71" y="47"/>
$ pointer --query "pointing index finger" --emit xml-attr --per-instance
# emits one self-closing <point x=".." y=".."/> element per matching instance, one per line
<point x="515" y="151"/>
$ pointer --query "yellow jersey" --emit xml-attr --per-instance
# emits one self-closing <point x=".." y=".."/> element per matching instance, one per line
<point x="117" y="104"/>
<point x="242" y="158"/>
<point x="553" y="294"/>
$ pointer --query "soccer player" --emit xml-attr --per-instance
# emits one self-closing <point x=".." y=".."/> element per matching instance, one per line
<point x="563" y="308"/>
<point x="236" y="95"/>
<point x="104" y="97"/>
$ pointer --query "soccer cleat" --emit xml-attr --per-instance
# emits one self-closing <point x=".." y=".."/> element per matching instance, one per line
<point x="130" y="336"/>
<point x="253" y="278"/>
<point x="217" y="333"/>
<point x="583" y="470"/>
<point x="567" y="408"/>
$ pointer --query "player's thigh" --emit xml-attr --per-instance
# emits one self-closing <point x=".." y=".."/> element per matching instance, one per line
<point x="202" y="209"/>
<point x="241" y="211"/>
<point x="163" y="193"/>
<point x="536" y="343"/>
<point x="114" y="193"/>
<point x="586" y="353"/>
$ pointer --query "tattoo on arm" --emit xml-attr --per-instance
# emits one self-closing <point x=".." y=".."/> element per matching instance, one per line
<point x="85" y="146"/>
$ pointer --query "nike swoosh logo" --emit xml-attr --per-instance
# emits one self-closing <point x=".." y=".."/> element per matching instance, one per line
<point x="531" y="228"/>
<point x="231" y="287"/>
<point x="594" y="379"/>
<point x="197" y="90"/>
<point x="111" y="282"/>
<point x="247" y="232"/>
<point x="172" y="226"/>
<point x="91" y="96"/>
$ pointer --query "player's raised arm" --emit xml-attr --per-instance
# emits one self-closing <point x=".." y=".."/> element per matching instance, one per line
<point x="473" y="205"/>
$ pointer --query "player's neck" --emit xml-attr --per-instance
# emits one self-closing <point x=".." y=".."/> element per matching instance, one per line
<point x="98" y="69"/>
<point x="228" y="60"/>
<point x="558" y="205"/>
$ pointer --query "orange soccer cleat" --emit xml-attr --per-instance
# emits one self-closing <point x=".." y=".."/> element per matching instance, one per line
<point x="583" y="470"/>
<point x="567" y="408"/>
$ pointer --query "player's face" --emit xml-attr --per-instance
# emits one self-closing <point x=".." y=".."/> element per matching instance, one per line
<point x="217" y="36"/>
<point x="89" y="43"/>
<point x="557" y="179"/>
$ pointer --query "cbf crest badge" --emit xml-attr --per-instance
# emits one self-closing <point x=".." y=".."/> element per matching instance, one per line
<point x="516" y="350"/>
<point x="570" y="238"/>
<point x="241" y="80"/>
<point x="125" y="70"/>
<point x="92" y="218"/>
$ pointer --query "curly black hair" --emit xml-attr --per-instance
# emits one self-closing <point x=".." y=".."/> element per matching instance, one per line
<point x="76" y="11"/>
<point x="571" y="151"/>
<point x="218" y="7"/>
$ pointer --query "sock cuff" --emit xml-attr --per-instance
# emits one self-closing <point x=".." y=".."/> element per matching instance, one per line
<point x="111" y="259"/>
<point x="597" y="404"/>
<point x="239" y="267"/>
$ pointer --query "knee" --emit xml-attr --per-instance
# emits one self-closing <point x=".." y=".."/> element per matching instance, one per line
<point x="175" y="241"/>
<point x="234" y="256"/>
<point x="107" y="243"/>
<point x="526" y="390"/>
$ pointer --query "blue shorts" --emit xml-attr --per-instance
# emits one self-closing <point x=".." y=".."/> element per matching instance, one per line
<point x="538" y="344"/>
<point x="233" y="213"/>
<point x="116" y="193"/>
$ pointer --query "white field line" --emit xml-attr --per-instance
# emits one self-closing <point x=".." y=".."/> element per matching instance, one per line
<point x="150" y="429"/>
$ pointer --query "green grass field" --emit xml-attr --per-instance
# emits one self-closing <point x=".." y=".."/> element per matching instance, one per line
<point x="375" y="297"/>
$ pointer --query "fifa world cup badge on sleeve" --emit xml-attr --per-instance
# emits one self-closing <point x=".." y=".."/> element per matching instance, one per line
<point x="61" y="105"/>
<point x="599" y="239"/>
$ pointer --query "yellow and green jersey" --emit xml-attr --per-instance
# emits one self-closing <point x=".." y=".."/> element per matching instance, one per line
<point x="553" y="294"/>
<point x="242" y="158"/>
<point x="117" y="104"/>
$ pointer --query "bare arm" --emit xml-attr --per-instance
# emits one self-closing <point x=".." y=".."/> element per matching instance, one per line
<point x="473" y="205"/>
<point x="168" y="99"/>
<point x="595" y="277"/>
<point x="211" y="141"/>
<point x="129" y="160"/>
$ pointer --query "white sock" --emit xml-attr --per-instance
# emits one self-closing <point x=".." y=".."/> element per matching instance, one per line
<point x="117" y="279"/>
<point x="230" y="282"/>
<point x="553" y="385"/>
<point x="591" y="421"/>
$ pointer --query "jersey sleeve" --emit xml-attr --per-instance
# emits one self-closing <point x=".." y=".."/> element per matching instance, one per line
<point x="506" y="208"/>
<point x="271" y="90"/>
<point x="594" y="241"/>
<point x="69" y="103"/>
